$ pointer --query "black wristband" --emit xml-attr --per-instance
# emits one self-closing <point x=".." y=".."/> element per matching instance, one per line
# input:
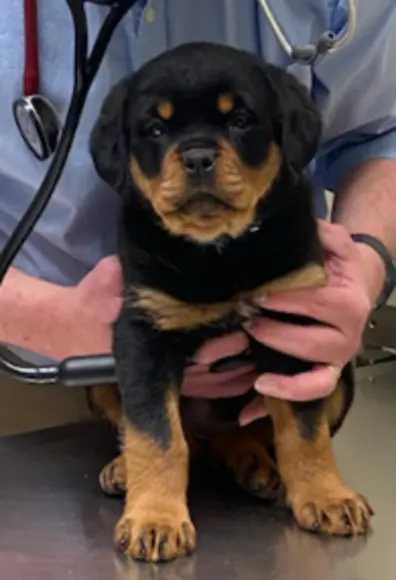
<point x="390" y="270"/>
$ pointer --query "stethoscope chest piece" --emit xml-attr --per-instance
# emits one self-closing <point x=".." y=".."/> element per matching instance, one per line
<point x="38" y="124"/>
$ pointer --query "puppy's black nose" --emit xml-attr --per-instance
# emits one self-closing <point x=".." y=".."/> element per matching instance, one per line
<point x="198" y="161"/>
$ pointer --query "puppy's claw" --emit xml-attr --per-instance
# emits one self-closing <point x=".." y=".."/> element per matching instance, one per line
<point x="162" y="537"/>
<point x="338" y="512"/>
<point x="112" y="478"/>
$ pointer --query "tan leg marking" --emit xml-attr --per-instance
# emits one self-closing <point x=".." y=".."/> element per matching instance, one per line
<point x="156" y="524"/>
<point x="321" y="501"/>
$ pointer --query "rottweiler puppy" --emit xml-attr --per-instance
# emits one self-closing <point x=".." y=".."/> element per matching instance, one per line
<point x="208" y="147"/>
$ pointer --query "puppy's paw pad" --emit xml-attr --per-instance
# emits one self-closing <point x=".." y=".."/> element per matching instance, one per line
<point x="344" y="514"/>
<point x="112" y="478"/>
<point x="155" y="537"/>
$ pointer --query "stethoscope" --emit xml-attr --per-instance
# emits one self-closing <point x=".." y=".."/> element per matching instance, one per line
<point x="37" y="119"/>
<point x="327" y="43"/>
<point x="35" y="115"/>
<point x="42" y="131"/>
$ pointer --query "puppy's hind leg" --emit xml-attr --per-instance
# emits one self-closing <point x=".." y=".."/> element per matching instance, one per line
<point x="107" y="400"/>
<point x="246" y="453"/>
<point x="112" y="478"/>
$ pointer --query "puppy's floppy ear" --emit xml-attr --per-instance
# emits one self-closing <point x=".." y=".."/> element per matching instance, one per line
<point x="109" y="138"/>
<point x="298" y="124"/>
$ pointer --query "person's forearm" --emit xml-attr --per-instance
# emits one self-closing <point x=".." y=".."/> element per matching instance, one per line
<point x="29" y="312"/>
<point x="366" y="203"/>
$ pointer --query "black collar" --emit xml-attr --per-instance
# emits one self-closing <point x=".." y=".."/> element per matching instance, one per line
<point x="224" y="241"/>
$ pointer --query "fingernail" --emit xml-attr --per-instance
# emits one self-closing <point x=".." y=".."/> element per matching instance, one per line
<point x="203" y="360"/>
<point x="244" y="421"/>
<point x="266" y="386"/>
<point x="261" y="299"/>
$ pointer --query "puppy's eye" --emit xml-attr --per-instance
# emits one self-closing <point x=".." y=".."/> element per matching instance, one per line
<point x="239" y="120"/>
<point x="155" y="129"/>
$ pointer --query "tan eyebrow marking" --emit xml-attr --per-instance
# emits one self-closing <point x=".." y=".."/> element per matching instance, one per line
<point x="166" y="110"/>
<point x="226" y="103"/>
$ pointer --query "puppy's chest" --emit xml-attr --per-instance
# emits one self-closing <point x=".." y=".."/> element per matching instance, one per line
<point x="171" y="314"/>
<point x="174" y="313"/>
<point x="181" y="287"/>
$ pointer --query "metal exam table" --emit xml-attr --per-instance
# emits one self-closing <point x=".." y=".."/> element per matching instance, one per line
<point x="56" y="525"/>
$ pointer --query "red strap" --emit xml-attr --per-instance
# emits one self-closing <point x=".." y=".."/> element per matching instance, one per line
<point x="31" y="72"/>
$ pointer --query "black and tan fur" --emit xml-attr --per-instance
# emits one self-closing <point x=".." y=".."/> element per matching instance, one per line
<point x="207" y="147"/>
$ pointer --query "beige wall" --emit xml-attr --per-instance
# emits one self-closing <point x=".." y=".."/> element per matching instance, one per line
<point x="28" y="408"/>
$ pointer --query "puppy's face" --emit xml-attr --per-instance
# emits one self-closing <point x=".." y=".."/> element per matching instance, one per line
<point x="202" y="132"/>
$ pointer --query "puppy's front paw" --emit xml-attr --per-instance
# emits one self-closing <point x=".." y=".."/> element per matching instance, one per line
<point x="154" y="535"/>
<point x="332" y="509"/>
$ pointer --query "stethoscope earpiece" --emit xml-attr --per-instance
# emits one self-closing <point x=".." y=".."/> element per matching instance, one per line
<point x="310" y="52"/>
<point x="326" y="44"/>
<point x="304" y="54"/>
<point x="38" y="124"/>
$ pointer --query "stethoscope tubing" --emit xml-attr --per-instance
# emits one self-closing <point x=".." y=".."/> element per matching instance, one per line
<point x="31" y="72"/>
<point x="85" y="69"/>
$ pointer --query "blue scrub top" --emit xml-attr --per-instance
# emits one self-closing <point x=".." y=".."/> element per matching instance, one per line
<point x="355" y="89"/>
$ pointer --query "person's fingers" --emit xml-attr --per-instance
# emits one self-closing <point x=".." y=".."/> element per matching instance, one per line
<point x="325" y="304"/>
<point x="336" y="241"/>
<point x="254" y="410"/>
<point x="113" y="311"/>
<point x="334" y="238"/>
<point x="108" y="274"/>
<point x="322" y="344"/>
<point x="217" y="348"/>
<point x="314" y="384"/>
<point x="202" y="373"/>
<point x="221" y="386"/>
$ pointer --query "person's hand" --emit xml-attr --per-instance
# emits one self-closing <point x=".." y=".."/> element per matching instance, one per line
<point x="199" y="382"/>
<point x="89" y="310"/>
<point x="343" y="305"/>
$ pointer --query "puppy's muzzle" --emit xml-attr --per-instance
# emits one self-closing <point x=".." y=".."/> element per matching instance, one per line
<point x="198" y="160"/>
